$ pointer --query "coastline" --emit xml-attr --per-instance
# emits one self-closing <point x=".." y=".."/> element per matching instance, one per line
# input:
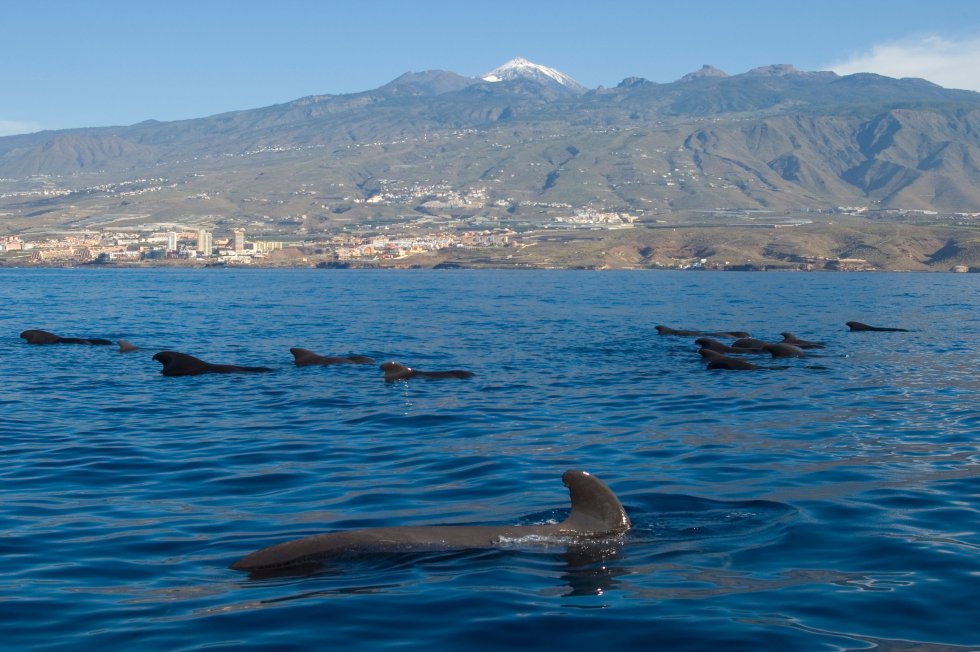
<point x="404" y="265"/>
<point x="837" y="244"/>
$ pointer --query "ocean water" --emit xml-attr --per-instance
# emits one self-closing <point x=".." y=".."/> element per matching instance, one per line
<point x="831" y="504"/>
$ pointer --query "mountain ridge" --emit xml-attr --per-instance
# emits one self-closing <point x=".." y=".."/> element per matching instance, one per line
<point x="774" y="138"/>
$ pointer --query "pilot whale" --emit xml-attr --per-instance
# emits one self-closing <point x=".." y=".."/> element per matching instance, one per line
<point x="44" y="337"/>
<point x="305" y="357"/>
<point x="181" y="364"/>
<point x="397" y="371"/>
<point x="667" y="330"/>
<point x="721" y="361"/>
<point x="858" y="326"/>
<point x="789" y="338"/>
<point x="718" y="347"/>
<point x="784" y="350"/>
<point x="596" y="513"/>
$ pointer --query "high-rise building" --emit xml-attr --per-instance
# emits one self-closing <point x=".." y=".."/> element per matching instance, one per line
<point x="205" y="243"/>
<point x="172" y="241"/>
<point x="238" y="240"/>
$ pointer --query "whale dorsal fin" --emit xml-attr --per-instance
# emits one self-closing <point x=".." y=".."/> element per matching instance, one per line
<point x="595" y="508"/>
<point x="303" y="355"/>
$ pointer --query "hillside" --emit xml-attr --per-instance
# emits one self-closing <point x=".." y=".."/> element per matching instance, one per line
<point x="773" y="139"/>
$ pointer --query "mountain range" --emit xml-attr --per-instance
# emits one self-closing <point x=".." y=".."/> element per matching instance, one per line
<point x="774" y="139"/>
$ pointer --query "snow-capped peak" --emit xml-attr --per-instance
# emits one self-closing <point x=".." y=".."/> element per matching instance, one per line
<point x="521" y="68"/>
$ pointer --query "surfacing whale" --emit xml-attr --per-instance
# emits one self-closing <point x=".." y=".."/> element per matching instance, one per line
<point x="596" y="513"/>
<point x="721" y="361"/>
<point x="44" y="337"/>
<point x="396" y="371"/>
<point x="748" y="343"/>
<point x="181" y="364"/>
<point x="784" y="350"/>
<point x="667" y="330"/>
<point x="858" y="326"/>
<point x="305" y="357"/>
<point x="718" y="347"/>
<point x="789" y="338"/>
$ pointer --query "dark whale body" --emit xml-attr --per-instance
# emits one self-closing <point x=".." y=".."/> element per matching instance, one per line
<point x="720" y="361"/>
<point x="395" y="371"/>
<point x="732" y="334"/>
<point x="181" y="364"/>
<point x="718" y="347"/>
<point x="858" y="326"/>
<point x="666" y="330"/>
<point x="789" y="338"/>
<point x="709" y="354"/>
<point x="748" y="343"/>
<point x="305" y="358"/>
<point x="596" y="513"/>
<point x="784" y="350"/>
<point x="44" y="337"/>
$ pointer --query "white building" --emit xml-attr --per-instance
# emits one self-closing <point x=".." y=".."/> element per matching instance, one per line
<point x="205" y="242"/>
<point x="238" y="241"/>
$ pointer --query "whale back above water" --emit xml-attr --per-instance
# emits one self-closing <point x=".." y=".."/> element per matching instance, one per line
<point x="718" y="347"/>
<point x="667" y="330"/>
<point x="789" y="338"/>
<point x="858" y="326"/>
<point x="748" y="343"/>
<point x="45" y="337"/>
<point x="305" y="357"/>
<point x="784" y="350"/>
<point x="596" y="513"/>
<point x="181" y="364"/>
<point x="720" y="361"/>
<point x="710" y="354"/>
<point x="397" y="371"/>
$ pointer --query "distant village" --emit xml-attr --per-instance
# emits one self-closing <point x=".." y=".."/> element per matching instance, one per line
<point x="438" y="218"/>
<point x="202" y="247"/>
<point x="216" y="242"/>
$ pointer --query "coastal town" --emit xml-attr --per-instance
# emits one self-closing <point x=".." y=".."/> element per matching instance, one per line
<point x="201" y="247"/>
<point x="600" y="240"/>
<point x="394" y="223"/>
<point x="434" y="217"/>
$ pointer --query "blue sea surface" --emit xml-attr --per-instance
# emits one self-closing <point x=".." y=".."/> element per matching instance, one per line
<point x="830" y="504"/>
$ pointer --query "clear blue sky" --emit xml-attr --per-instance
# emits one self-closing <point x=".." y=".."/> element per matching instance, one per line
<point x="75" y="63"/>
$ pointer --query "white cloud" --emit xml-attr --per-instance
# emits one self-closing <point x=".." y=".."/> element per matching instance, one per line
<point x="947" y="62"/>
<point x="11" y="127"/>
